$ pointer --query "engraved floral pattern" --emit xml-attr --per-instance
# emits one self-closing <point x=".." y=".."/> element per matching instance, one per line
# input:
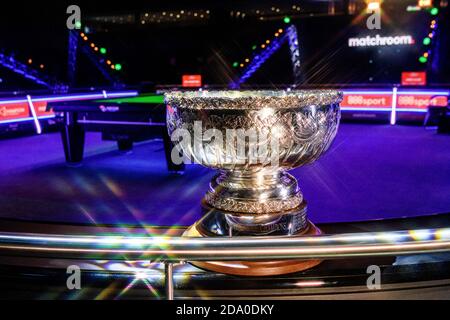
<point x="304" y="124"/>
<point x="254" y="207"/>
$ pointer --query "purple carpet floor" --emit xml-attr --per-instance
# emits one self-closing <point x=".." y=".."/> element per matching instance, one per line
<point x="371" y="172"/>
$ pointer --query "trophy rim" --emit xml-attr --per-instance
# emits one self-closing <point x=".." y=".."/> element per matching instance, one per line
<point x="251" y="99"/>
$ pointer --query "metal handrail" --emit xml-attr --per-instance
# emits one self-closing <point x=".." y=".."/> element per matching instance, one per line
<point x="175" y="249"/>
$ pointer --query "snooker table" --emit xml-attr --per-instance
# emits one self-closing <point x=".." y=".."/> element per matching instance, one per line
<point x="125" y="120"/>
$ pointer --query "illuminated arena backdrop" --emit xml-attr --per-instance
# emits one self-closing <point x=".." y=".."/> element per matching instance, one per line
<point x="342" y="50"/>
<point x="104" y="194"/>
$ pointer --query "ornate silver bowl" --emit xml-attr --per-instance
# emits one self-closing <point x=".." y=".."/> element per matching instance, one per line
<point x="253" y="138"/>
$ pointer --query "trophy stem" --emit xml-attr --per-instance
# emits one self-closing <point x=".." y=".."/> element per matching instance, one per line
<point x="253" y="268"/>
<point x="256" y="193"/>
<point x="254" y="204"/>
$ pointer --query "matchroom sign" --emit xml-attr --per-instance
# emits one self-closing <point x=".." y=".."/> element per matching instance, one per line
<point x="378" y="41"/>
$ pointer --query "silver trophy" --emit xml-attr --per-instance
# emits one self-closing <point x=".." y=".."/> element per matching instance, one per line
<point x="253" y="138"/>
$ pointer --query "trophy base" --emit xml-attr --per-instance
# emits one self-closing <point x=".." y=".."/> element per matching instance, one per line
<point x="253" y="268"/>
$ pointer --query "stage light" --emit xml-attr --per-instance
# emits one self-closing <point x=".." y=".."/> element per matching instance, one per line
<point x="96" y="49"/>
<point x="263" y="46"/>
<point x="430" y="35"/>
<point x="425" y="54"/>
<point x="247" y="60"/>
<point x="102" y="50"/>
<point x="41" y="66"/>
<point x="422" y="59"/>
<point x="412" y="8"/>
<point x="276" y="34"/>
<point x="287" y="20"/>
<point x="434" y="11"/>
<point x="85" y="38"/>
<point x="425" y="3"/>
<point x="267" y="41"/>
<point x="118" y="66"/>
<point x="280" y="30"/>
<point x="373" y="6"/>
<point x="108" y="61"/>
<point x="82" y="35"/>
<point x="30" y="61"/>
<point x="426" y="41"/>
<point x="113" y="67"/>
<point x="92" y="45"/>
<point x="235" y="64"/>
<point x="254" y="47"/>
<point x="241" y="65"/>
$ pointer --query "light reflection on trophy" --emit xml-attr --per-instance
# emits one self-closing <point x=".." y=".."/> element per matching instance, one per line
<point x="253" y="138"/>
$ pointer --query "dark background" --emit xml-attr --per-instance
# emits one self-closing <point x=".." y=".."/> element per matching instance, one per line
<point x="161" y="53"/>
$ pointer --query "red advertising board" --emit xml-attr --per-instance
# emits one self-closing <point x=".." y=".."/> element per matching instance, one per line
<point x="11" y="111"/>
<point x="414" y="78"/>
<point x="192" y="80"/>
<point x="40" y="108"/>
<point x="367" y="100"/>
<point x="420" y="101"/>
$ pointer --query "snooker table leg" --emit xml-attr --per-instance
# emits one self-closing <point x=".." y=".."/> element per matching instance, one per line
<point x="125" y="145"/>
<point x="168" y="146"/>
<point x="73" y="136"/>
